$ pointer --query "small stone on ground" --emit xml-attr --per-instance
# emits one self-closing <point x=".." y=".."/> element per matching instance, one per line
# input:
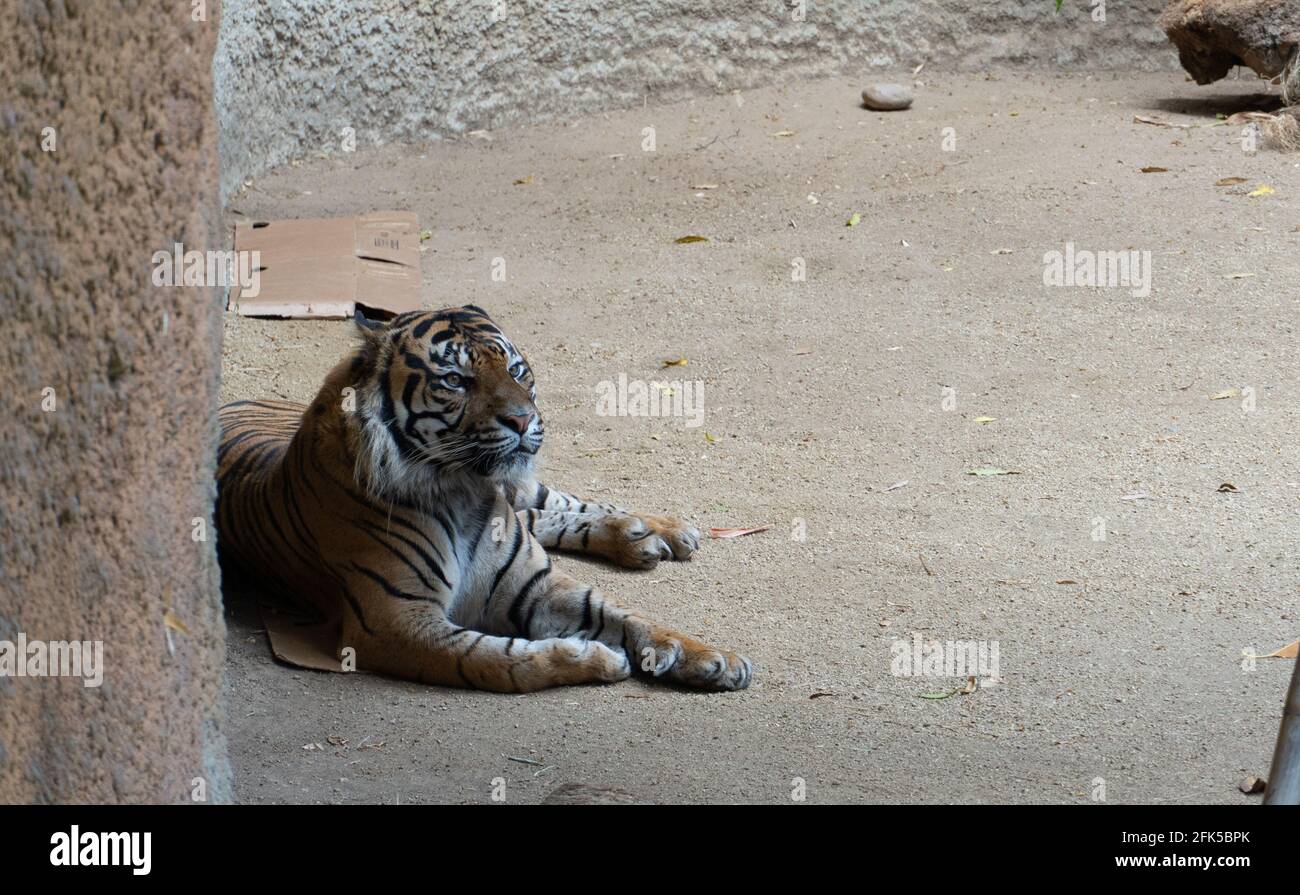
<point x="887" y="97"/>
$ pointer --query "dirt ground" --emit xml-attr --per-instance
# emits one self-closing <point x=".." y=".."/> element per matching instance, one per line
<point x="1120" y="656"/>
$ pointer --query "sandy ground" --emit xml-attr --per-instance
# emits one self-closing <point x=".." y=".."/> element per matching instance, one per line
<point x="1119" y="658"/>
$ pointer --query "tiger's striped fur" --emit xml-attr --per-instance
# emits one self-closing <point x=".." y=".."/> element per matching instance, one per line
<point x="404" y="497"/>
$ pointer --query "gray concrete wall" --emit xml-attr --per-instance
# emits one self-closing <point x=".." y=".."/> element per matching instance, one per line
<point x="289" y="75"/>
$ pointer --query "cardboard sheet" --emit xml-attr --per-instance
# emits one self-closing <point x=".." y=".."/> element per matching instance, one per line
<point x="302" y="640"/>
<point x="325" y="267"/>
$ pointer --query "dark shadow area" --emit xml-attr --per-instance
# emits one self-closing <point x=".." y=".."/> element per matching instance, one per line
<point x="1212" y="106"/>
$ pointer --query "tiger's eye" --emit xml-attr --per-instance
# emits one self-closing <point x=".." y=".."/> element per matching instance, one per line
<point x="453" y="380"/>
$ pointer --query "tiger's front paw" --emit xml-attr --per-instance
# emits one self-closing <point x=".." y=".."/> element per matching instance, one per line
<point x="571" y="660"/>
<point x="713" y="669"/>
<point x="665" y="653"/>
<point x="682" y="538"/>
<point x="640" y="542"/>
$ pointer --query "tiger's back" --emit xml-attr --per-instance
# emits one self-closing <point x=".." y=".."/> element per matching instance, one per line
<point x="255" y="439"/>
<point x="253" y="435"/>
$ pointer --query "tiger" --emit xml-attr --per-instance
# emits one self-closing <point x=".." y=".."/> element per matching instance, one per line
<point x="404" y="499"/>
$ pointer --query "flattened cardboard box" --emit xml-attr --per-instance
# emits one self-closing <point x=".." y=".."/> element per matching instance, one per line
<point x="304" y="640"/>
<point x="325" y="267"/>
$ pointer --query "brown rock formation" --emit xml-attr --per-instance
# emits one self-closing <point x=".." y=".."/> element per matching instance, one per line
<point x="1212" y="36"/>
<point x="108" y="155"/>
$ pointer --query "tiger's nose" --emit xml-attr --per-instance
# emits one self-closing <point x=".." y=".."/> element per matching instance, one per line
<point x="518" y="422"/>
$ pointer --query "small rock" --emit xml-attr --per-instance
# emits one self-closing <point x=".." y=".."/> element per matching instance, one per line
<point x="1252" y="785"/>
<point x="887" y="97"/>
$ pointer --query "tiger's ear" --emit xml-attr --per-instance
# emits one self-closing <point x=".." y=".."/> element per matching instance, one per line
<point x="371" y="329"/>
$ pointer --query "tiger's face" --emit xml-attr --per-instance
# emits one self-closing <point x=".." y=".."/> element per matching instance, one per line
<point x="455" y="393"/>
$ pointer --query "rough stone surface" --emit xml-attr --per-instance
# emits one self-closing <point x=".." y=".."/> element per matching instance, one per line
<point x="97" y="494"/>
<point x="887" y="97"/>
<point x="290" y="76"/>
<point x="1213" y="36"/>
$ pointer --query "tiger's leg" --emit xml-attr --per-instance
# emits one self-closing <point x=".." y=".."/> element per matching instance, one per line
<point x="554" y="605"/>
<point x="416" y="641"/>
<point x="621" y="538"/>
<point x="560" y="520"/>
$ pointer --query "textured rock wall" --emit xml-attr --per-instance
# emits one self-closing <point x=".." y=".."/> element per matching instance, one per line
<point x="106" y="443"/>
<point x="290" y="75"/>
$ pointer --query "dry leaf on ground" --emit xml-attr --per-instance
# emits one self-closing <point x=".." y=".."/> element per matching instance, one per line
<point x="736" y="532"/>
<point x="1246" y="117"/>
<point x="1290" y="651"/>
<point x="1142" y="119"/>
<point x="966" y="689"/>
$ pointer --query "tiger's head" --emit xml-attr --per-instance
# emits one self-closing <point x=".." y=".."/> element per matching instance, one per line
<point x="445" y="395"/>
